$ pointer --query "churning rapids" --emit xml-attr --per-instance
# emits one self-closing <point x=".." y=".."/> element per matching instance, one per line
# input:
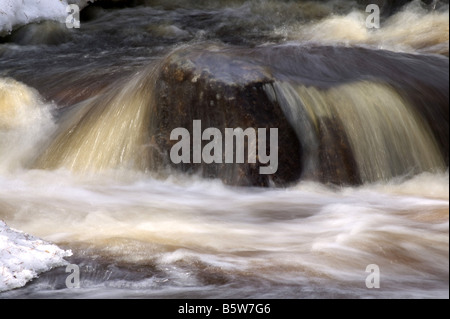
<point x="85" y="120"/>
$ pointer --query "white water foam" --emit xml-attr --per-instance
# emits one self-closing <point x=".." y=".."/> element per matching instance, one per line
<point x="189" y="229"/>
<point x="25" y="121"/>
<point x="412" y="29"/>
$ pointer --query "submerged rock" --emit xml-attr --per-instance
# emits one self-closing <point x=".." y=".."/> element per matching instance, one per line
<point x="296" y="89"/>
<point x="222" y="92"/>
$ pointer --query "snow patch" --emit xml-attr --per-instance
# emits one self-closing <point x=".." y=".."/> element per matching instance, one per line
<point x="23" y="257"/>
<point x="14" y="13"/>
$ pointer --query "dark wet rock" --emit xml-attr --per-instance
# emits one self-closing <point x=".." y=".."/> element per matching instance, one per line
<point x="337" y="163"/>
<point x="222" y="92"/>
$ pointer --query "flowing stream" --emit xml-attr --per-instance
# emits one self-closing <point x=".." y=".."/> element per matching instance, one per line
<point x="75" y="170"/>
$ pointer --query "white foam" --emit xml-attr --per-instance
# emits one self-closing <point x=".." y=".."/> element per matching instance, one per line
<point x="25" y="121"/>
<point x="14" y="13"/>
<point x="23" y="257"/>
<point x="412" y="29"/>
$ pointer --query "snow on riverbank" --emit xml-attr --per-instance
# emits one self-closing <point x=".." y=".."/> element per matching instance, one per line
<point x="14" y="13"/>
<point x="23" y="257"/>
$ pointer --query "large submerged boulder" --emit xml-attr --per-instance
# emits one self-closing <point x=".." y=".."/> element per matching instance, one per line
<point x="290" y="88"/>
<point x="222" y="91"/>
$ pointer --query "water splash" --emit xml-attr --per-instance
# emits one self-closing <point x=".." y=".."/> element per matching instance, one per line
<point x="386" y="135"/>
<point x="413" y="29"/>
<point x="105" y="132"/>
<point x="25" y="121"/>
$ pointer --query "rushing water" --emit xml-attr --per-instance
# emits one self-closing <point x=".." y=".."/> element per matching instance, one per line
<point x="75" y="106"/>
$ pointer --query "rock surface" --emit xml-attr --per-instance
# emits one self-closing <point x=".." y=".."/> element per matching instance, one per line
<point x="222" y="92"/>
